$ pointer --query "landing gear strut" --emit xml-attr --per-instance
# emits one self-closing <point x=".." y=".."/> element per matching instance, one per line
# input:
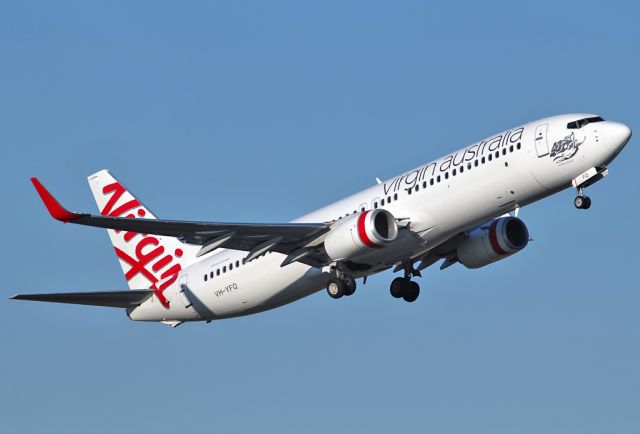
<point x="581" y="201"/>
<point x="584" y="180"/>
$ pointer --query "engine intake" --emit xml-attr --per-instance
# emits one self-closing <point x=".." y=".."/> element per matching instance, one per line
<point x="359" y="233"/>
<point x="502" y="237"/>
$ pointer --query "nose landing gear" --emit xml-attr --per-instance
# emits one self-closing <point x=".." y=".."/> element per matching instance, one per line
<point x="583" y="181"/>
<point x="581" y="201"/>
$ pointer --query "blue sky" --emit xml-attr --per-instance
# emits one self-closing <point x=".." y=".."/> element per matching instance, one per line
<point x="263" y="111"/>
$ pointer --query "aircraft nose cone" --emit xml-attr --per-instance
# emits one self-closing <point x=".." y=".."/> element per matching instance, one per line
<point x="619" y="134"/>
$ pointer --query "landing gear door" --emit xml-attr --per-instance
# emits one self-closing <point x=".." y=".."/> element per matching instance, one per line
<point x="183" y="290"/>
<point x="542" y="146"/>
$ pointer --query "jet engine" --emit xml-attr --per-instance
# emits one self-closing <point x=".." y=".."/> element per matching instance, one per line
<point x="496" y="240"/>
<point x="360" y="233"/>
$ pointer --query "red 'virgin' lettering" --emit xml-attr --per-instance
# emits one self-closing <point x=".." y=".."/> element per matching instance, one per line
<point x="118" y="190"/>
<point x="149" y="253"/>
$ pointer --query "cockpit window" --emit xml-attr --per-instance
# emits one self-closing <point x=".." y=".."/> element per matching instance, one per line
<point x="575" y="125"/>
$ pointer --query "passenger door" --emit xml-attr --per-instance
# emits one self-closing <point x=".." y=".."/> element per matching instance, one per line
<point x="542" y="146"/>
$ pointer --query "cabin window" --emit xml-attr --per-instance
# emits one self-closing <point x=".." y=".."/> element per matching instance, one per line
<point x="218" y="272"/>
<point x="454" y="172"/>
<point x="511" y="148"/>
<point x="446" y="175"/>
<point x="205" y="277"/>
<point x="438" y="178"/>
<point x="518" y="146"/>
<point x="211" y="275"/>
<point x="461" y="169"/>
<point x="382" y="202"/>
<point x="395" y="196"/>
<point x="424" y="184"/>
<point x="224" y="269"/>
<point x="431" y="181"/>
<point x="476" y="163"/>
<point x="497" y="154"/>
<point x="490" y="157"/>
<point x="483" y="160"/>
<point x="375" y="204"/>
<point x="417" y="187"/>
<point x="504" y="151"/>
<point x="388" y="199"/>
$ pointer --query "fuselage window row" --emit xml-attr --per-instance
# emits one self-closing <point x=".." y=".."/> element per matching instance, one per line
<point x="223" y="270"/>
<point x="461" y="169"/>
<point x="388" y="199"/>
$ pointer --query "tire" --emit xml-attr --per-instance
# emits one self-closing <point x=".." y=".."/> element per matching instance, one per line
<point x="579" y="202"/>
<point x="335" y="288"/>
<point x="350" y="286"/>
<point x="397" y="287"/>
<point x="412" y="292"/>
<point x="587" y="203"/>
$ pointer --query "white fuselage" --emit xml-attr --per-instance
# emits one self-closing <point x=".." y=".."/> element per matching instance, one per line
<point x="440" y="199"/>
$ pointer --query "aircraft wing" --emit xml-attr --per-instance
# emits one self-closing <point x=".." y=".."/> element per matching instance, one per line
<point x="104" y="298"/>
<point x="293" y="239"/>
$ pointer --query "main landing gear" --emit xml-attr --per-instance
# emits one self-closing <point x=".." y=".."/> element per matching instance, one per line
<point x="405" y="288"/>
<point x="581" y="201"/>
<point x="342" y="283"/>
<point x="339" y="286"/>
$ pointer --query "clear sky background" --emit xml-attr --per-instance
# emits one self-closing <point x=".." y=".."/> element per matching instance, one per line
<point x="263" y="111"/>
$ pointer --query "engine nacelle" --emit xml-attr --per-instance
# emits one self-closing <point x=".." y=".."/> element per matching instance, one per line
<point x="360" y="233"/>
<point x="502" y="237"/>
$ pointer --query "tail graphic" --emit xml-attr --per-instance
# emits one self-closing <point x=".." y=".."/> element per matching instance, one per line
<point x="148" y="261"/>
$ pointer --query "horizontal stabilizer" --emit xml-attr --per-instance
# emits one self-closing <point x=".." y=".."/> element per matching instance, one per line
<point x="103" y="298"/>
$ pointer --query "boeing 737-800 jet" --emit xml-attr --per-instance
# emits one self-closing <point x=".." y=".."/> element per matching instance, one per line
<point x="455" y="209"/>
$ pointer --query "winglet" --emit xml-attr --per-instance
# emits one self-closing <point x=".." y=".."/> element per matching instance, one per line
<point x="56" y="210"/>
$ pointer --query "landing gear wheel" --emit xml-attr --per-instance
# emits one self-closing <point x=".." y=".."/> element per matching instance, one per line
<point x="397" y="286"/>
<point x="411" y="292"/>
<point x="336" y="287"/>
<point x="582" y="202"/>
<point x="350" y="286"/>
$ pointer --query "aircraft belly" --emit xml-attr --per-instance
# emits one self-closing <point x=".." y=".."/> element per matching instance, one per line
<point x="259" y="286"/>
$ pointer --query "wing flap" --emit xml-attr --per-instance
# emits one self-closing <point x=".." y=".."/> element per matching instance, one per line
<point x="101" y="298"/>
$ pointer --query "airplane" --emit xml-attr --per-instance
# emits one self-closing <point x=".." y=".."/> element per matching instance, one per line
<point x="461" y="208"/>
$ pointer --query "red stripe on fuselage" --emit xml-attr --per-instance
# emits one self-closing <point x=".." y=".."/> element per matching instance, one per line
<point x="493" y="238"/>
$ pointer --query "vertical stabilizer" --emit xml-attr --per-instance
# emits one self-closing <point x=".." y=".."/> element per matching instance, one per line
<point x="148" y="261"/>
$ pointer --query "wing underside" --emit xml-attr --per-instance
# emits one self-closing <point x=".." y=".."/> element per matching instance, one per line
<point x="293" y="239"/>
